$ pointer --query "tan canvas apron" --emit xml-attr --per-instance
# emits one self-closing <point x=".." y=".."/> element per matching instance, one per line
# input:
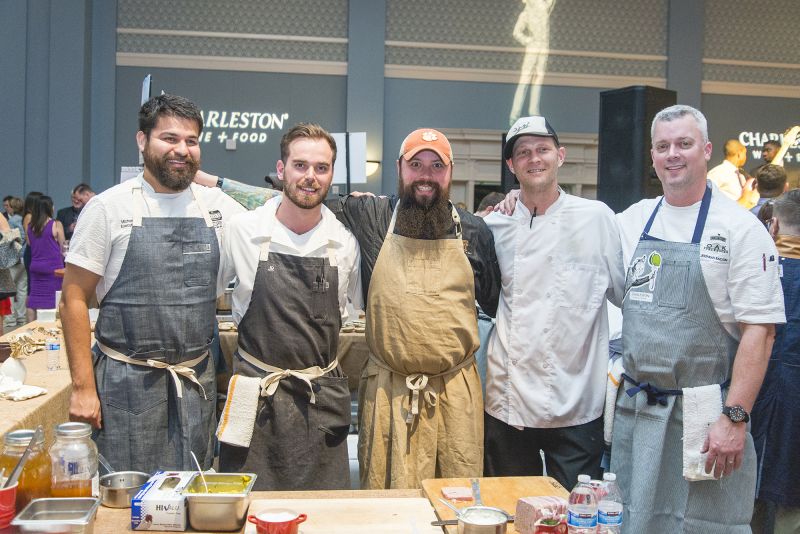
<point x="422" y="334"/>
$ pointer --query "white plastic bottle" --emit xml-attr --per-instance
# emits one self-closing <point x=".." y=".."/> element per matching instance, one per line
<point x="609" y="510"/>
<point x="53" y="346"/>
<point x="582" y="508"/>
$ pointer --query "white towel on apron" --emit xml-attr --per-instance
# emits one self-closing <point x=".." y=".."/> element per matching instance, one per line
<point x="615" y="371"/>
<point x="239" y="415"/>
<point x="701" y="407"/>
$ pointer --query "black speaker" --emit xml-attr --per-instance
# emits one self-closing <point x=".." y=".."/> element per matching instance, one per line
<point x="508" y="180"/>
<point x="625" y="172"/>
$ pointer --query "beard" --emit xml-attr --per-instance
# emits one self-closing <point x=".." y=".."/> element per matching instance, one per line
<point x="175" y="179"/>
<point x="303" y="200"/>
<point x="428" y="218"/>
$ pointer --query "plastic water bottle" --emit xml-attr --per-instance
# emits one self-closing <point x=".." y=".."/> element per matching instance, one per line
<point x="582" y="508"/>
<point x="53" y="347"/>
<point x="609" y="510"/>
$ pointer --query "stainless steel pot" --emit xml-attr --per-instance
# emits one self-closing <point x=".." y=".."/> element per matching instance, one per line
<point x="482" y="520"/>
<point x="225" y="301"/>
<point x="117" y="489"/>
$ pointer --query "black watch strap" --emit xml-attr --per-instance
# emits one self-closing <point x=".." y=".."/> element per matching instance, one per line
<point x="219" y="181"/>
<point x="736" y="413"/>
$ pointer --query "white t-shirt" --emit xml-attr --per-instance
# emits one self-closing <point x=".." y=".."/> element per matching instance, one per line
<point x="737" y="256"/>
<point x="242" y="246"/>
<point x="101" y="239"/>
<point x="548" y="355"/>
<point x="726" y="177"/>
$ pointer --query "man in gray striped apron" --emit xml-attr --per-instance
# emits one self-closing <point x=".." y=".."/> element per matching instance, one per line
<point x="702" y="297"/>
<point x="149" y="248"/>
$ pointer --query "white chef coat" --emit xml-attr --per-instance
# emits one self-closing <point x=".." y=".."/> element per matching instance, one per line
<point x="726" y="177"/>
<point x="548" y="355"/>
<point x="100" y="241"/>
<point x="738" y="259"/>
<point x="242" y="246"/>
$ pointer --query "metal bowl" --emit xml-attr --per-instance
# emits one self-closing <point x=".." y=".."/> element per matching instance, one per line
<point x="117" y="489"/>
<point x="224" y="506"/>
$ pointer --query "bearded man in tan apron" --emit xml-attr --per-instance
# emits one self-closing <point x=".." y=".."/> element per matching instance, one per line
<point x="420" y="401"/>
<point x="702" y="294"/>
<point x="149" y="249"/>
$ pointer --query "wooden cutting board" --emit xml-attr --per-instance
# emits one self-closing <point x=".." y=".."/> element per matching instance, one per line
<point x="356" y="516"/>
<point x="500" y="492"/>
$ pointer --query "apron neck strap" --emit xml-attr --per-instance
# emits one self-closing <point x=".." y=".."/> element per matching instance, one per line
<point x="699" y="225"/>
<point x="330" y="250"/>
<point x="139" y="204"/>
<point x="453" y="211"/>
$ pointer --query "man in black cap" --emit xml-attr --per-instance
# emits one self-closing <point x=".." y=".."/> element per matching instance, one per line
<point x="547" y="361"/>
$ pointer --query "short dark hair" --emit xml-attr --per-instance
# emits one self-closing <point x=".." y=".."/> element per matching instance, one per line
<point x="82" y="188"/>
<point x="787" y="210"/>
<point x="490" y="199"/>
<point x="773" y="142"/>
<point x="167" y="105"/>
<point x="770" y="180"/>
<point x="305" y="130"/>
<point x="7" y="198"/>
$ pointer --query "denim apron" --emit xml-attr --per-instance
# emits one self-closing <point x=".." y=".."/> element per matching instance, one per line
<point x="776" y="419"/>
<point x="420" y="400"/>
<point x="672" y="339"/>
<point x="289" y="335"/>
<point x="156" y="384"/>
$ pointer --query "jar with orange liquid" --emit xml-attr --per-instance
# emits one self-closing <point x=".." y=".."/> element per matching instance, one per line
<point x="74" y="462"/>
<point x="34" y="482"/>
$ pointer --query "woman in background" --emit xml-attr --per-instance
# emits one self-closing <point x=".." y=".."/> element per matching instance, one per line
<point x="18" y="272"/>
<point x="45" y="239"/>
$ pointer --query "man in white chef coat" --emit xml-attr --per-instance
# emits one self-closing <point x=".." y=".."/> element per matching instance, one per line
<point x="548" y="355"/>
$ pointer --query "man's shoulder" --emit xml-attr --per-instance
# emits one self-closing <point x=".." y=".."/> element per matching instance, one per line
<point x="589" y="206"/>
<point x="63" y="212"/>
<point x="472" y="222"/>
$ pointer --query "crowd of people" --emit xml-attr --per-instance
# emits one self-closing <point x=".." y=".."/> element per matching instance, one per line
<point x="699" y="280"/>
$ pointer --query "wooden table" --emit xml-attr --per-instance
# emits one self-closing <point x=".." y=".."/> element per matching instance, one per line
<point x="116" y="520"/>
<point x="353" y="355"/>
<point x="46" y="410"/>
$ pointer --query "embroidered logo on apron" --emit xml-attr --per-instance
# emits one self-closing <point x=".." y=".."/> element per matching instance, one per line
<point x="642" y="276"/>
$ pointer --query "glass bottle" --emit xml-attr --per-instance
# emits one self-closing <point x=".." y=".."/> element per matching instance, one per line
<point x="74" y="462"/>
<point x="34" y="482"/>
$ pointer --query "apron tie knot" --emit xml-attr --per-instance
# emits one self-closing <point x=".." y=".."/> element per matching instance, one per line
<point x="655" y="395"/>
<point x="415" y="383"/>
<point x="175" y="370"/>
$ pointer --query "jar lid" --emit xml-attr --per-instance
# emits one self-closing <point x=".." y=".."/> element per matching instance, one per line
<point x="73" y="430"/>
<point x="22" y="438"/>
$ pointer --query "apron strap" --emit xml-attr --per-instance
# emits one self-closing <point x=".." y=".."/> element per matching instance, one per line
<point x="183" y="369"/>
<point x="138" y="205"/>
<point x="418" y="382"/>
<point x="656" y="394"/>
<point x="269" y="384"/>
<point x="330" y="250"/>
<point x="453" y="212"/>
<point x="699" y="225"/>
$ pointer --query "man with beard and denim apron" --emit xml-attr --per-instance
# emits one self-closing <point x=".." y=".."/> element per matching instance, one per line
<point x="420" y="401"/>
<point x="149" y="248"/>
<point x="702" y="297"/>
<point x="295" y="266"/>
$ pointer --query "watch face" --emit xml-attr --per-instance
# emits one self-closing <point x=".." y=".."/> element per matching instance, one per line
<point x="737" y="414"/>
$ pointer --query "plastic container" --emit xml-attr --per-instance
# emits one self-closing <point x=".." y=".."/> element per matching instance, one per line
<point x="609" y="509"/>
<point x="53" y="349"/>
<point x="74" y="462"/>
<point x="582" y="508"/>
<point x="34" y="482"/>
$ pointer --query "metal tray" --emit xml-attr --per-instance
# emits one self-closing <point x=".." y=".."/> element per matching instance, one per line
<point x="70" y="515"/>
<point x="219" y="511"/>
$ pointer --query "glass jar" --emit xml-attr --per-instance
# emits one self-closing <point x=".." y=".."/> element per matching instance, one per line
<point x="74" y="462"/>
<point x="34" y="482"/>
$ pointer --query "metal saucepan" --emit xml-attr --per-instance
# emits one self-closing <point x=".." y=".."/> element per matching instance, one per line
<point x="117" y="489"/>
<point x="480" y="519"/>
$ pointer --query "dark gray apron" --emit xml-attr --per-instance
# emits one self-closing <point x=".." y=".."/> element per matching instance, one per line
<point x="672" y="339"/>
<point x="293" y="322"/>
<point x="161" y="310"/>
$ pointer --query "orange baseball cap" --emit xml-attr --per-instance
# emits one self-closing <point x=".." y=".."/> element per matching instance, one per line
<point x="426" y="139"/>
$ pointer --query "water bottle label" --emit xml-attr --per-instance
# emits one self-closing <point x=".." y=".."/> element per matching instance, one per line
<point x="575" y="519"/>
<point x="53" y="346"/>
<point x="609" y="518"/>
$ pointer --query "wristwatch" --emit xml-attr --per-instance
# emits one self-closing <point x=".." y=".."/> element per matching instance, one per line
<point x="736" y="414"/>
<point x="220" y="179"/>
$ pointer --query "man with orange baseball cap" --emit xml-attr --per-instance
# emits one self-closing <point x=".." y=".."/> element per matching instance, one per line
<point x="424" y="264"/>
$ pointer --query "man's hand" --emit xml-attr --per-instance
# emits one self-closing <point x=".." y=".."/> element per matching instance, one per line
<point x="84" y="406"/>
<point x="356" y="194"/>
<point x="506" y="207"/>
<point x="725" y="446"/>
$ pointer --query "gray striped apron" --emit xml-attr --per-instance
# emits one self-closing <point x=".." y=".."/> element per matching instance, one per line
<point x="292" y="323"/>
<point x="672" y="338"/>
<point x="156" y="384"/>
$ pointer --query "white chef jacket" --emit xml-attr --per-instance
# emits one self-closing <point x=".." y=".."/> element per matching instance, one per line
<point x="548" y="356"/>
<point x="242" y="246"/>
<point x="726" y="177"/>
